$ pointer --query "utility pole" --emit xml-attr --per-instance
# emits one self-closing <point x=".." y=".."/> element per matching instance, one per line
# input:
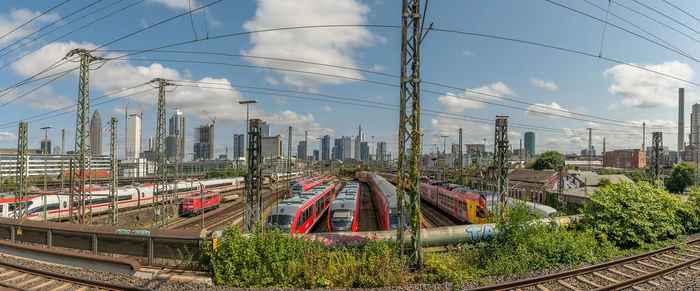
<point x="21" y="178"/>
<point x="255" y="180"/>
<point x="590" y="148"/>
<point x="644" y="136"/>
<point x="409" y="127"/>
<point x="82" y="133"/>
<point x="46" y="151"/>
<point x="603" y="150"/>
<point x="520" y="153"/>
<point x="461" y="166"/>
<point x="560" y="188"/>
<point x="656" y="151"/>
<point x="113" y="218"/>
<point x="501" y="147"/>
<point x="63" y="153"/>
<point x="160" y="186"/>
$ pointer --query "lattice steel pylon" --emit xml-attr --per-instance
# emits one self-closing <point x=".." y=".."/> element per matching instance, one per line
<point x="254" y="179"/>
<point x="656" y="152"/>
<point x="82" y="130"/>
<point x="409" y="129"/>
<point x="113" y="217"/>
<point x="21" y="177"/>
<point x="500" y="150"/>
<point x="161" y="207"/>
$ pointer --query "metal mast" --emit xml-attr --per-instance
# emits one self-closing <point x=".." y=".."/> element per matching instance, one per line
<point x="254" y="179"/>
<point x="113" y="218"/>
<point x="461" y="166"/>
<point x="82" y="132"/>
<point x="501" y="175"/>
<point x="160" y="187"/>
<point x="409" y="127"/>
<point x="656" y="151"/>
<point x="21" y="178"/>
<point x="590" y="148"/>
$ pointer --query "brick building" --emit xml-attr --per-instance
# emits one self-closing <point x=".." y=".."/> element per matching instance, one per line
<point x="625" y="159"/>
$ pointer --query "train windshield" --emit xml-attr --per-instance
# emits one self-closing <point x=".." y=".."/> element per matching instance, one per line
<point x="297" y="189"/>
<point x="341" y="216"/>
<point x="188" y="201"/>
<point x="280" y="221"/>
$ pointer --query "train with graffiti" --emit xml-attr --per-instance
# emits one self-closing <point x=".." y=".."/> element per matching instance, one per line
<point x="132" y="196"/>
<point x="461" y="203"/>
<point x="300" y="214"/>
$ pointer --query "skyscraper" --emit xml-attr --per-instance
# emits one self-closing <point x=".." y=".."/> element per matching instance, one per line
<point x="364" y="151"/>
<point x="338" y="145"/>
<point x="316" y="155"/>
<point x="381" y="150"/>
<point x="204" y="142"/>
<point x="46" y="144"/>
<point x="177" y="129"/>
<point x="695" y="124"/>
<point x="265" y="129"/>
<point x="239" y="146"/>
<point x="133" y="136"/>
<point x="301" y="150"/>
<point x="530" y="143"/>
<point x="95" y="134"/>
<point x="348" y="148"/>
<point x="325" y="147"/>
<point x="152" y="143"/>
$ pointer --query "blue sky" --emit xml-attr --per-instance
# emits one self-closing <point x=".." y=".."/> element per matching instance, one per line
<point x="527" y="73"/>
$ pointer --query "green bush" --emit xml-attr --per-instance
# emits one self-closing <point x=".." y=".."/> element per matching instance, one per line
<point x="455" y="267"/>
<point x="524" y="245"/>
<point x="225" y="173"/>
<point x="547" y="160"/>
<point x="634" y="214"/>
<point x="274" y="259"/>
<point x="682" y="176"/>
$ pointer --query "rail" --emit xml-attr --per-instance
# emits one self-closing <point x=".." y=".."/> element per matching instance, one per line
<point x="147" y="243"/>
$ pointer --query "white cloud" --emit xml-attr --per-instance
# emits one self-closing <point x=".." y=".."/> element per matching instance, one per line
<point x="458" y="103"/>
<point x="647" y="90"/>
<point x="281" y="100"/>
<point x="467" y="53"/>
<point x="17" y="17"/>
<point x="592" y="124"/>
<point x="177" y="4"/>
<point x="378" y="68"/>
<point x="652" y="125"/>
<point x="543" y="84"/>
<point x="325" y="45"/>
<point x="546" y="111"/>
<point x="514" y="134"/>
<point x="328" y="109"/>
<point x="612" y="106"/>
<point x="8" y="136"/>
<point x="443" y="124"/>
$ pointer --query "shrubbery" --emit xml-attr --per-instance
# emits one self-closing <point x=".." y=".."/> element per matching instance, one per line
<point x="635" y="214"/>
<point x="224" y="173"/>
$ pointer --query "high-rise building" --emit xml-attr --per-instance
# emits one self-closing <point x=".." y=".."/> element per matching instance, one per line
<point x="360" y="135"/>
<point x="325" y="147"/>
<point x="171" y="143"/>
<point x="265" y="129"/>
<point x="177" y="129"/>
<point x="152" y="143"/>
<point x="46" y="144"/>
<point x="95" y="134"/>
<point x="364" y="151"/>
<point x="381" y="150"/>
<point x="204" y="142"/>
<point x="56" y="150"/>
<point x="133" y="136"/>
<point x="357" y="148"/>
<point x="681" y="119"/>
<point x="272" y="146"/>
<point x="315" y="155"/>
<point x="338" y="145"/>
<point x="530" y="143"/>
<point x="348" y="148"/>
<point x="301" y="150"/>
<point x="239" y="146"/>
<point x="695" y="124"/>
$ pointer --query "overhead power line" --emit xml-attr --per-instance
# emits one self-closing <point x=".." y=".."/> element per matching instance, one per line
<point x="655" y="20"/>
<point x="34" y="18"/>
<point x="664" y="15"/>
<point x="681" y="10"/>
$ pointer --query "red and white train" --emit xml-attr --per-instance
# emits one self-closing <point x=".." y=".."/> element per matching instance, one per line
<point x="304" y="185"/>
<point x="299" y="214"/>
<point x="384" y="197"/>
<point x="344" y="210"/>
<point x="194" y="205"/>
<point x="127" y="197"/>
<point x="465" y="206"/>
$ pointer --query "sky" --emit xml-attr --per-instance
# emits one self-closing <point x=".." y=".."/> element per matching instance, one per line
<point x="330" y="80"/>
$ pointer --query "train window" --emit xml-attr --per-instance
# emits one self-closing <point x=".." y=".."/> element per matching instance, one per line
<point x="480" y="212"/>
<point x="65" y="204"/>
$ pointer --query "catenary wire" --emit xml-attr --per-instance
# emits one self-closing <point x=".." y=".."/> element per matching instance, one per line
<point x="655" y="20"/>
<point x="681" y="10"/>
<point x="34" y="18"/>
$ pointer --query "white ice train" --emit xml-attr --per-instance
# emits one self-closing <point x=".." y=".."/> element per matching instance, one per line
<point x="127" y="197"/>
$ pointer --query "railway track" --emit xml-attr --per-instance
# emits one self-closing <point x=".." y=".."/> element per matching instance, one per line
<point x="630" y="272"/>
<point x="433" y="217"/>
<point x="17" y="277"/>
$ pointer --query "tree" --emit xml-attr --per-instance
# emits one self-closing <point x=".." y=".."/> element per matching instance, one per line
<point x="604" y="182"/>
<point x="547" y="160"/>
<point x="682" y="176"/>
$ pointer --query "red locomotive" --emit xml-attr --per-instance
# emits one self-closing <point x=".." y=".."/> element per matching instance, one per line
<point x="193" y="205"/>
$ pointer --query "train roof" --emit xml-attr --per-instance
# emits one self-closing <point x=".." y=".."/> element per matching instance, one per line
<point x="291" y="205"/>
<point x="388" y="190"/>
<point x="344" y="201"/>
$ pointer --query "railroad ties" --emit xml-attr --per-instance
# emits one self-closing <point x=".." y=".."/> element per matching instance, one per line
<point x="638" y="272"/>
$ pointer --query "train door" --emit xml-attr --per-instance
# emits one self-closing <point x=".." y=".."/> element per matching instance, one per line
<point x="138" y="197"/>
